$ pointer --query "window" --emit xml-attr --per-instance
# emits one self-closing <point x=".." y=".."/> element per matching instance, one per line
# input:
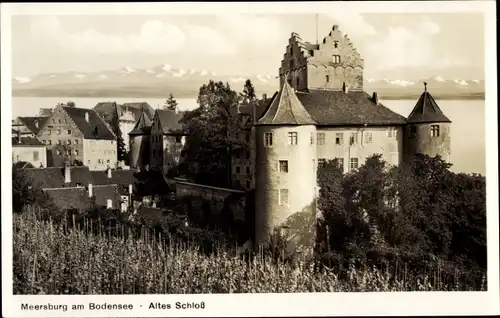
<point x="53" y="121"/>
<point x="178" y="139"/>
<point x="289" y="81"/>
<point x="268" y="139"/>
<point x="339" y="138"/>
<point x="248" y="170"/>
<point x="59" y="121"/>
<point x="391" y="132"/>
<point x="49" y="142"/>
<point x="69" y="142"/>
<point x="354" y="163"/>
<point x="340" y="162"/>
<point x="109" y="204"/>
<point x="435" y="130"/>
<point x="321" y="163"/>
<point x="108" y="161"/>
<point x="327" y="78"/>
<point x="335" y="44"/>
<point x="413" y="131"/>
<point x="297" y="82"/>
<point x="237" y="169"/>
<point x="336" y="59"/>
<point x="311" y="135"/>
<point x="58" y="142"/>
<point x="59" y="131"/>
<point x="283" y="165"/>
<point x="44" y="141"/>
<point x="283" y="197"/>
<point x="248" y="184"/>
<point x="76" y="152"/>
<point x="88" y="162"/>
<point x="320" y="138"/>
<point x="69" y="131"/>
<point x="76" y="141"/>
<point x="354" y="139"/>
<point x="58" y="152"/>
<point x="292" y="138"/>
<point x="369" y="137"/>
<point x="35" y="155"/>
<point x="68" y="152"/>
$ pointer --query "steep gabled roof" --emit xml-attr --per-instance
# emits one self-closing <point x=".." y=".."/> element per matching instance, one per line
<point x="169" y="120"/>
<point x="26" y="141"/>
<point x="338" y="108"/>
<point x="426" y="110"/>
<point x="142" y="126"/>
<point x="95" y="128"/>
<point x="31" y="123"/>
<point x="286" y="109"/>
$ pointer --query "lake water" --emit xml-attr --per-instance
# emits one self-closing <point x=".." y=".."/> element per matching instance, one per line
<point x="467" y="132"/>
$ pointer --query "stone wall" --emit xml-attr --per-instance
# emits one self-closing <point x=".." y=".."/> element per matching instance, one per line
<point x="421" y="140"/>
<point x="216" y="196"/>
<point x="387" y="141"/>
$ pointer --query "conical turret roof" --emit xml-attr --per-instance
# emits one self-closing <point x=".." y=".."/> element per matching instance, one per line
<point x="142" y="125"/>
<point x="286" y="109"/>
<point x="426" y="110"/>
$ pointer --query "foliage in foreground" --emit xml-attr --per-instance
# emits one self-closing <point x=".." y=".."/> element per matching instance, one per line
<point x="51" y="258"/>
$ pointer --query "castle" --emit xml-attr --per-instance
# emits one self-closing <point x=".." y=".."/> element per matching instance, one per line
<point x="322" y="113"/>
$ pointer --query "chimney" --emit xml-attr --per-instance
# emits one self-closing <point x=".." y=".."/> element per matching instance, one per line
<point x="87" y="117"/>
<point x="18" y="136"/>
<point x="90" y="190"/>
<point x="264" y="96"/>
<point x="375" y="98"/>
<point x="130" y="189"/>
<point x="345" y="89"/>
<point x="67" y="173"/>
<point x="109" y="172"/>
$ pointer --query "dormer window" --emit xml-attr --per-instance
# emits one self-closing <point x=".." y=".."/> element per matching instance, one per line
<point x="336" y="59"/>
<point x="335" y="44"/>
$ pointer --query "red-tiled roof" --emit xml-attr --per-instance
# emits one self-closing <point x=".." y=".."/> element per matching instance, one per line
<point x="142" y="126"/>
<point x="26" y="141"/>
<point x="426" y="110"/>
<point x="69" y="198"/>
<point x="169" y="120"/>
<point x="286" y="109"/>
<point x="33" y="123"/>
<point x="53" y="177"/>
<point x="94" y="128"/>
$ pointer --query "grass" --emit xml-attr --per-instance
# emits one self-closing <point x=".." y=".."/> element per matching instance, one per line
<point x="53" y="258"/>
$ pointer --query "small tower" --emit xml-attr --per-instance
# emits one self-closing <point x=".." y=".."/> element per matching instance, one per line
<point x="285" y="175"/>
<point x="139" y="141"/>
<point x="427" y="130"/>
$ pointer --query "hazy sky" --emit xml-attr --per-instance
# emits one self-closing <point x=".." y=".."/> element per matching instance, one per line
<point x="405" y="46"/>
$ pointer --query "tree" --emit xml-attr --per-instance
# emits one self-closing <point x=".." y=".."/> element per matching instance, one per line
<point x="171" y="103"/>
<point x="211" y="138"/>
<point x="248" y="94"/>
<point x="120" y="143"/>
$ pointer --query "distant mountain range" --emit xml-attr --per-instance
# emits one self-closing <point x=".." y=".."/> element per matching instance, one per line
<point x="162" y="80"/>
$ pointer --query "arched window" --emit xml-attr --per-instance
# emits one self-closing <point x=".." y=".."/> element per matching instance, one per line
<point x="336" y="59"/>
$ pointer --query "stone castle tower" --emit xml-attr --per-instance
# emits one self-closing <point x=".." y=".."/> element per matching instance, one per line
<point x="285" y="176"/>
<point x="333" y="64"/>
<point x="427" y="130"/>
<point x="139" y="141"/>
